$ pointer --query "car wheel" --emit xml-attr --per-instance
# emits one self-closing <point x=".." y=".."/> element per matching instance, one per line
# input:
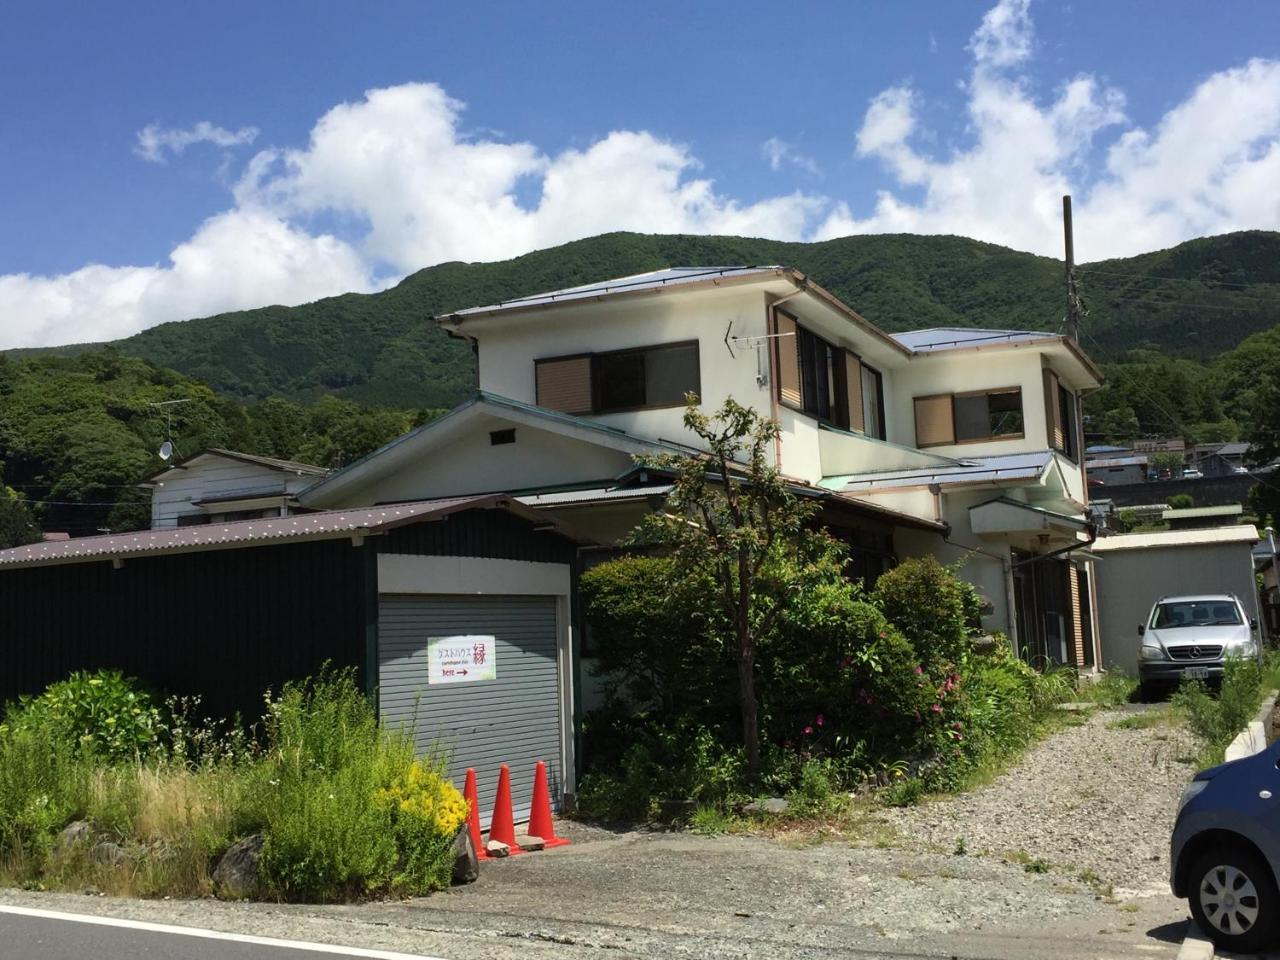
<point x="1233" y="898"/>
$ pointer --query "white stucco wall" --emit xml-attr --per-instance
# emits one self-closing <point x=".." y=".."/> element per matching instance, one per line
<point x="213" y="476"/>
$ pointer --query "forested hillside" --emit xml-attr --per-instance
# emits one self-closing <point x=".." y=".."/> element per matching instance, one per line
<point x="1187" y="337"/>
<point x="1195" y="301"/>
<point x="77" y="435"/>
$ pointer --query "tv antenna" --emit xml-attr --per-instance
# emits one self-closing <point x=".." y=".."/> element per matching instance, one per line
<point x="167" y="449"/>
<point x="757" y="343"/>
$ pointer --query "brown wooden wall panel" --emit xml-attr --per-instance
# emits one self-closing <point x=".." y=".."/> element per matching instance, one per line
<point x="1053" y="412"/>
<point x="564" y="385"/>
<point x="787" y="347"/>
<point x="934" y="421"/>
<point x="1076" y="634"/>
<point x="853" y="380"/>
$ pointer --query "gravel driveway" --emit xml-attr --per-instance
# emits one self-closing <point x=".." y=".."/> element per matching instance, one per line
<point x="1098" y="797"/>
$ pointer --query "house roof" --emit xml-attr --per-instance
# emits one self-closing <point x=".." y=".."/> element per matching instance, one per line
<point x="1237" y="449"/>
<point x="1107" y="448"/>
<point x="323" y="525"/>
<point x="272" y="463"/>
<point x="1198" y="513"/>
<point x="1014" y="466"/>
<point x="386" y="456"/>
<point x="1242" y="533"/>
<point x="935" y="339"/>
<point x="637" y="283"/>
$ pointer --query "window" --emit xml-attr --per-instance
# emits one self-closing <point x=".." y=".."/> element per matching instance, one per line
<point x="988" y="416"/>
<point x="1070" y="429"/>
<point x="826" y="381"/>
<point x="1198" y="613"/>
<point x="620" y="380"/>
<point x="872" y="402"/>
<point x="969" y="417"/>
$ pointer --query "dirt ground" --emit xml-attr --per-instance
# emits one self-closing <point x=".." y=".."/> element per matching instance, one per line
<point x="888" y="891"/>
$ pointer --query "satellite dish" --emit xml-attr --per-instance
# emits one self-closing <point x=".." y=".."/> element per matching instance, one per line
<point x="166" y="450"/>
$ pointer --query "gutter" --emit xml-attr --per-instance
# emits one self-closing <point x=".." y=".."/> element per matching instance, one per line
<point x="1090" y="528"/>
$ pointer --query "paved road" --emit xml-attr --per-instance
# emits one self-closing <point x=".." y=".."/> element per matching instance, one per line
<point x="49" y="935"/>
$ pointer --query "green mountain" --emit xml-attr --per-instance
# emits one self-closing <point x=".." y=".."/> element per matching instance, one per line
<point x="1195" y="300"/>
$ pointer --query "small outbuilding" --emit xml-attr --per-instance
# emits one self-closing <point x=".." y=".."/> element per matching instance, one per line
<point x="456" y="611"/>
<point x="1134" y="570"/>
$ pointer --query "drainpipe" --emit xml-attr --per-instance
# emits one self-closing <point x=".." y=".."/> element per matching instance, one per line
<point x="770" y="329"/>
<point x="1006" y="567"/>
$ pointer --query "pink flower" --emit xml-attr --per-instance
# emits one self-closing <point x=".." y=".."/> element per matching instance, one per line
<point x="808" y="731"/>
<point x="919" y="669"/>
<point x="936" y="708"/>
<point x="820" y="720"/>
<point x="959" y="737"/>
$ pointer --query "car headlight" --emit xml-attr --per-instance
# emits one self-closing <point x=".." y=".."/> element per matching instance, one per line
<point x="1247" y="649"/>
<point x="1149" y="652"/>
<point x="1194" y="789"/>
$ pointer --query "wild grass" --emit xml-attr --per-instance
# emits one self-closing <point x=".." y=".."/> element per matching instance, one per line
<point x="1157" y="716"/>
<point x="1216" y="720"/>
<point x="1113" y="688"/>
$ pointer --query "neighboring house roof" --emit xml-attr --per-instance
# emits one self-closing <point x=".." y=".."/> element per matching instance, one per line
<point x="386" y="458"/>
<point x="1013" y="466"/>
<point x="272" y="463"/>
<point x="1138" y="460"/>
<point x="1107" y="448"/>
<point x="1242" y="533"/>
<point x="1198" y="513"/>
<point x="1233" y="449"/>
<point x="637" y="283"/>
<point x="324" y="525"/>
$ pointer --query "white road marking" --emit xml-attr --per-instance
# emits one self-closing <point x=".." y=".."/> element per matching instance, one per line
<point x="212" y="934"/>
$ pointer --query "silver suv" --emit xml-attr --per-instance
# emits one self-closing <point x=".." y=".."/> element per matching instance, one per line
<point x="1192" y="637"/>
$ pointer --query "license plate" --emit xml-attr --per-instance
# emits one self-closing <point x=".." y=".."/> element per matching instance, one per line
<point x="1198" y="673"/>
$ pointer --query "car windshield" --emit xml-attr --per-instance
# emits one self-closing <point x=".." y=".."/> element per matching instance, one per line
<point x="1195" y="613"/>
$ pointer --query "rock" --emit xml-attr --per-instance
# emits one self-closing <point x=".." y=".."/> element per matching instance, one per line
<point x="527" y="841"/>
<point x="466" y="865"/>
<point x="109" y="854"/>
<point x="497" y="849"/>
<point x="72" y="835"/>
<point x="774" y="805"/>
<point x="236" y="876"/>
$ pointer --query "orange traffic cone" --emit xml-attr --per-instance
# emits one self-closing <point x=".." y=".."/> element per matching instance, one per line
<point x="540" y="824"/>
<point x="502" y="826"/>
<point x="470" y="794"/>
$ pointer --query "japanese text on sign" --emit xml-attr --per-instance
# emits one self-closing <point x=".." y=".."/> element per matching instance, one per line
<point x="461" y="659"/>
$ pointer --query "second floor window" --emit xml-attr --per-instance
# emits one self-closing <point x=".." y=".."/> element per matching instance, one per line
<point x="636" y="379"/>
<point x="827" y="382"/>
<point x="947" y="418"/>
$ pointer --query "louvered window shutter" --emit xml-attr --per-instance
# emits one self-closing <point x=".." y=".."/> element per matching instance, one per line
<point x="564" y="385"/>
<point x="935" y="423"/>
<point x="853" y="380"/>
<point x="788" y="352"/>
<point x="1053" y="412"/>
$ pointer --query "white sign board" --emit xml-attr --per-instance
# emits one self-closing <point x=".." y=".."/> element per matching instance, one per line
<point x="461" y="659"/>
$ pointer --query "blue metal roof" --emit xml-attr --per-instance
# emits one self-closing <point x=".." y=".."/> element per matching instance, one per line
<point x="657" y="279"/>
<point x="936" y="339"/>
<point x="1014" y="466"/>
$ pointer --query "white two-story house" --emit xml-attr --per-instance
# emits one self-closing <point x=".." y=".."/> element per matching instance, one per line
<point x="961" y="443"/>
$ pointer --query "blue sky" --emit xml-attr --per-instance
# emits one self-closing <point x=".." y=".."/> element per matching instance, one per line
<point x="494" y="128"/>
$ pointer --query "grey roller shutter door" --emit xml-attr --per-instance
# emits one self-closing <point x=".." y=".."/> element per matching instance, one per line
<point x="514" y="719"/>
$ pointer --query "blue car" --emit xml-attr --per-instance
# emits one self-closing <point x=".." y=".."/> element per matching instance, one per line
<point x="1225" y="851"/>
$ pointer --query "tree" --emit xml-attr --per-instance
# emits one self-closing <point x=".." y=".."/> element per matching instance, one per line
<point x="732" y="520"/>
<point x="17" y="525"/>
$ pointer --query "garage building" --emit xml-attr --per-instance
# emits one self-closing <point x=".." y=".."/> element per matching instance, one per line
<point x="1134" y="570"/>
<point x="456" y="611"/>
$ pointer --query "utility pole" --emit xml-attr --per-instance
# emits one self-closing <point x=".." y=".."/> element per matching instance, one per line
<point x="1073" y="298"/>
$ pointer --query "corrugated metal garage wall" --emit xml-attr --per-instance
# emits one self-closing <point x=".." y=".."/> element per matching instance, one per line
<point x="513" y="719"/>
<point x="1130" y="581"/>
<point x="224" y="624"/>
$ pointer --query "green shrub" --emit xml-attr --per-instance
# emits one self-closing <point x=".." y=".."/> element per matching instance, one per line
<point x="346" y="809"/>
<point x="931" y="606"/>
<point x="1217" y="720"/>
<point x="817" y="792"/>
<point x="105" y="714"/>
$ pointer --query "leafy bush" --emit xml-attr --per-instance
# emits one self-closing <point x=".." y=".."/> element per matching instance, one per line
<point x="1216" y="721"/>
<point x="104" y="714"/>
<point x="931" y="606"/>
<point x="346" y="808"/>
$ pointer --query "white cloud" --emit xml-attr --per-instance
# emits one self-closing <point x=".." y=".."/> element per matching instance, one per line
<point x="1203" y="169"/>
<point x="154" y="140"/>
<point x="404" y="185"/>
<point x="239" y="259"/>
<point x="780" y="153"/>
